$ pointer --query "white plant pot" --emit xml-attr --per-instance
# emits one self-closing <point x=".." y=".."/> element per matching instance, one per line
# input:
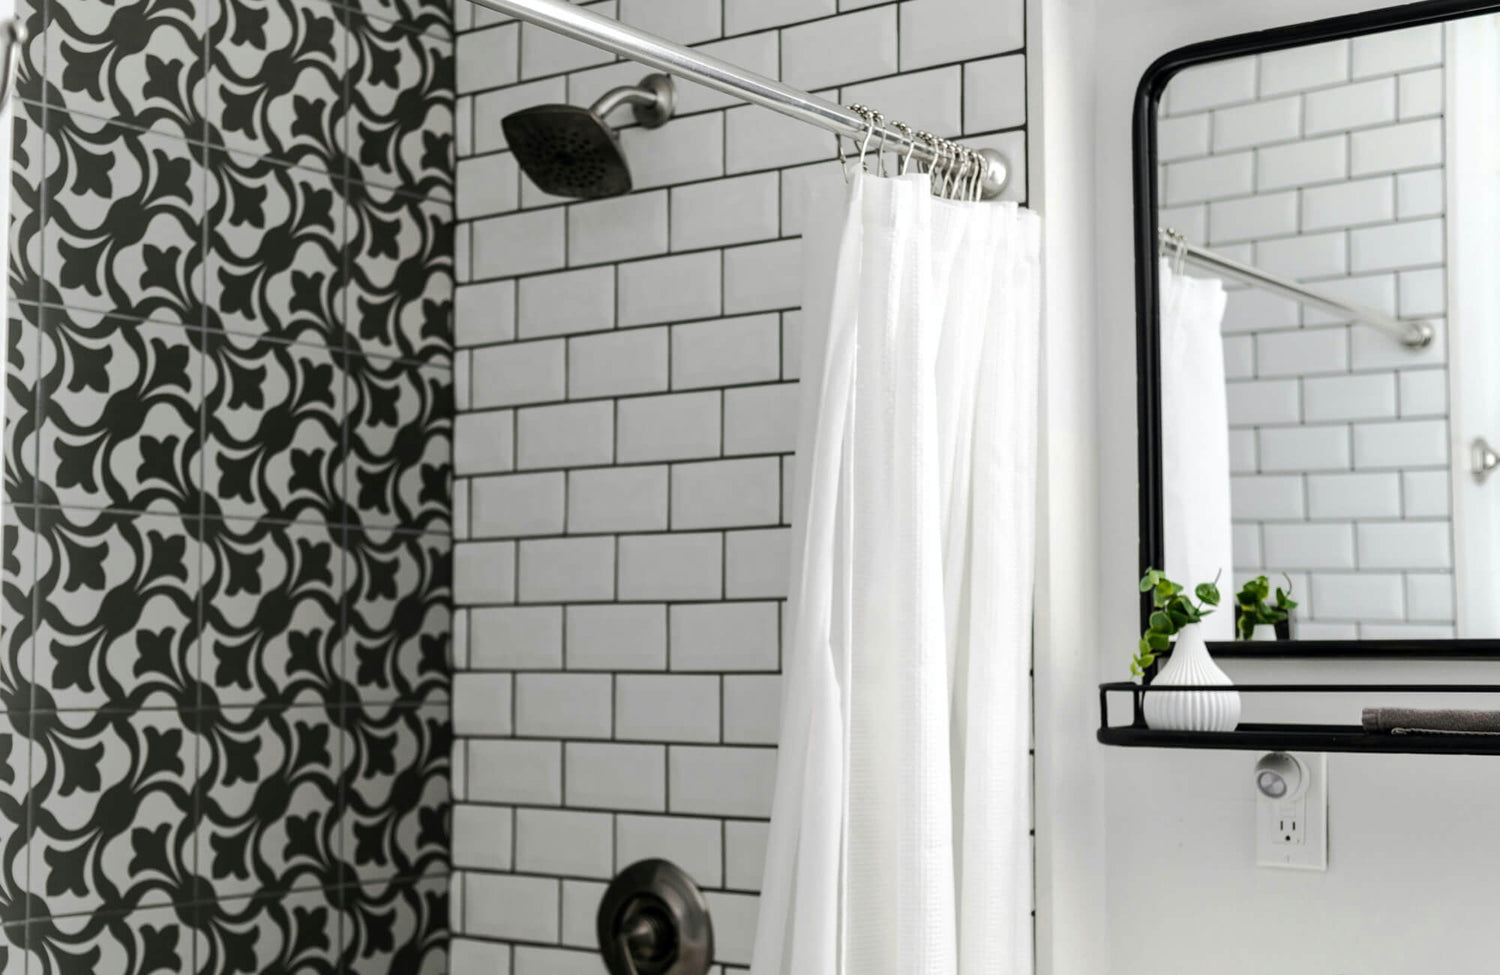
<point x="1191" y="665"/>
<point x="1263" y="632"/>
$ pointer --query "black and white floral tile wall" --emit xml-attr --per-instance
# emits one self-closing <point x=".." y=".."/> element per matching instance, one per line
<point x="224" y="678"/>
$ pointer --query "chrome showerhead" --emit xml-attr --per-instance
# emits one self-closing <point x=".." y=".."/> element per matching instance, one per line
<point x="573" y="151"/>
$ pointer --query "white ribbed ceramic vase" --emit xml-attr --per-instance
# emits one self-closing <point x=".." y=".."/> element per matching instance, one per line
<point x="1190" y="664"/>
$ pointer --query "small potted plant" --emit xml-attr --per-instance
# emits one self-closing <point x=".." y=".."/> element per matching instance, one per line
<point x="1174" y="623"/>
<point x="1258" y="618"/>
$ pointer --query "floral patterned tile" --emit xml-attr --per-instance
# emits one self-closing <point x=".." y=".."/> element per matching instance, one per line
<point x="435" y="17"/>
<point x="303" y="932"/>
<point x="28" y="143"/>
<point x="398" y="597"/>
<point x="112" y="810"/>
<point x="124" y="221"/>
<point x="269" y="781"/>
<point x="18" y="753"/>
<point x="30" y="68"/>
<point x="399" y="926"/>
<point x="159" y="941"/>
<point x="137" y="62"/>
<point x="25" y="350"/>
<point x="401" y="107"/>
<point x="17" y="616"/>
<point x="120" y="422"/>
<point x="399" y="298"/>
<point x="394" y="820"/>
<point x="273" y="613"/>
<point x="398" y="466"/>
<point x="277" y="80"/>
<point x="118" y="598"/>
<point x="275" y="415"/>
<point x="276" y="249"/>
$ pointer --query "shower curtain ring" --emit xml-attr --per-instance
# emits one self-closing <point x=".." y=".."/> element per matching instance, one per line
<point x="911" y="147"/>
<point x="1177" y="244"/>
<point x="924" y="165"/>
<point x="880" y="151"/>
<point x="864" y="146"/>
<point x="935" y="157"/>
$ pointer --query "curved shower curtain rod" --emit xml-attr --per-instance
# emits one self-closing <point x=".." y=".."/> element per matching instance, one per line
<point x="684" y="62"/>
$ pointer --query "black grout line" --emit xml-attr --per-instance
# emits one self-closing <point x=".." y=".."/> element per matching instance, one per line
<point x="235" y="519"/>
<point x="208" y="148"/>
<point x="214" y="334"/>
<point x="29" y="823"/>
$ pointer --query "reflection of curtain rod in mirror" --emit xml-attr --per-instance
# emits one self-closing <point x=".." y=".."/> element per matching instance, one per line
<point x="1411" y="333"/>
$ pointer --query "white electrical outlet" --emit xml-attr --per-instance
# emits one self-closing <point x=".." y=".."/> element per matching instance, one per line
<point x="1291" y="811"/>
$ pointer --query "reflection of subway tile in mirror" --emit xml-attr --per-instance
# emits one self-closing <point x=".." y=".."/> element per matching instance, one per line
<point x="1325" y="164"/>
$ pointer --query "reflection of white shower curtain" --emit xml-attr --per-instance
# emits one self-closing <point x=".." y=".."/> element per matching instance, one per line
<point x="899" y="835"/>
<point x="1195" y="441"/>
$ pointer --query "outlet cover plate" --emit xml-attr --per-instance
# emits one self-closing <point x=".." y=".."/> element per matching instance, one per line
<point x="1294" y="835"/>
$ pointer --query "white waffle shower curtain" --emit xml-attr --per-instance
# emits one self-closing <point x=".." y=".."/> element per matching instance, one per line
<point x="1196" y="526"/>
<point x="899" y="840"/>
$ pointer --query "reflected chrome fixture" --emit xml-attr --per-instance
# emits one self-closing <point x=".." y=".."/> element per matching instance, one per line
<point x="582" y="24"/>
<point x="13" y="36"/>
<point x="573" y="151"/>
<point x="653" y="921"/>
<point x="1485" y="460"/>
<point x="1412" y="333"/>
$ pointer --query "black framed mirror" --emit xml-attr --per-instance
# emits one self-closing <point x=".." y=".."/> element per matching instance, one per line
<point x="1330" y="198"/>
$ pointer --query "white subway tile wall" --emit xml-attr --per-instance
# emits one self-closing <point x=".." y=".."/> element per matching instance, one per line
<point x="1325" y="164"/>
<point x="628" y="411"/>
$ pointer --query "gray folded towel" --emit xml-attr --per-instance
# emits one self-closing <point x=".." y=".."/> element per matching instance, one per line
<point x="1415" y="721"/>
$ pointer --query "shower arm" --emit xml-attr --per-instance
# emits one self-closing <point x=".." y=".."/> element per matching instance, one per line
<point x="590" y="28"/>
<point x="653" y="100"/>
<point x="624" y="95"/>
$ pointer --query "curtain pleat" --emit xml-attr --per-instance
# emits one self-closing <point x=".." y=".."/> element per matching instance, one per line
<point x="900" y="833"/>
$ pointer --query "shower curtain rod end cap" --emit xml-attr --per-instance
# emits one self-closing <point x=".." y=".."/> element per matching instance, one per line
<point x="1420" y="335"/>
<point x="996" y="172"/>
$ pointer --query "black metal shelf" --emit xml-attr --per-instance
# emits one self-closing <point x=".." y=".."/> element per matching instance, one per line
<point x="1284" y="649"/>
<point x="1250" y="736"/>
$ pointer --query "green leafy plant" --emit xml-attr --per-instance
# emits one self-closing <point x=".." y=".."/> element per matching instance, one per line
<point x="1255" y="610"/>
<point x="1171" y="610"/>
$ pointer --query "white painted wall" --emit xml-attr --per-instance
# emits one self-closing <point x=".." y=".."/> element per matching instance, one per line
<point x="1070" y="855"/>
<point x="1410" y="886"/>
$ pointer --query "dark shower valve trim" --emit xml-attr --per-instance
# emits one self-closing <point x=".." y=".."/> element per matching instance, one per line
<point x="653" y="920"/>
